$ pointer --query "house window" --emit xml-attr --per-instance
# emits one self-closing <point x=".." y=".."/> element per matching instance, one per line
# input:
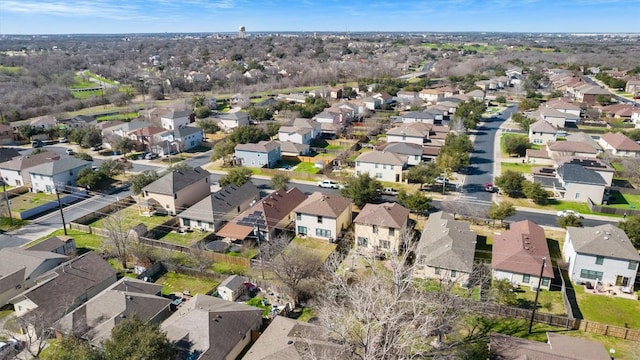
<point x="302" y="230"/>
<point x="384" y="166"/>
<point x="298" y="216"/>
<point x="545" y="281"/>
<point x="391" y="167"/>
<point x="526" y="278"/>
<point x="378" y="175"/>
<point x="454" y="274"/>
<point x="186" y="222"/>
<point x="436" y="271"/>
<point x="590" y="274"/>
<point x="175" y="196"/>
<point x="363" y="241"/>
<point x="599" y="260"/>
<point x="319" y="219"/>
<point x="323" y="233"/>
<point x="374" y="229"/>
<point x="632" y="265"/>
<point x="376" y="166"/>
<point x="392" y="232"/>
<point x="577" y="196"/>
<point x="385" y="244"/>
<point x="404" y="137"/>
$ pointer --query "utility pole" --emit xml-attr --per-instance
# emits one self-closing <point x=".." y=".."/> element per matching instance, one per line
<point x="64" y="225"/>
<point x="6" y="198"/>
<point x="535" y="302"/>
<point x="256" y="232"/>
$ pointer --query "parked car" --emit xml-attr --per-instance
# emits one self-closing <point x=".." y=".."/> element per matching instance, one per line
<point x="442" y="180"/>
<point x="389" y="191"/>
<point x="96" y="148"/>
<point x="563" y="213"/>
<point x="37" y="144"/>
<point x="70" y="152"/>
<point x="328" y="184"/>
<point x="63" y="140"/>
<point x="150" y="156"/>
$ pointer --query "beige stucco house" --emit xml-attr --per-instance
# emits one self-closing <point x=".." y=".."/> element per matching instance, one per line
<point x="381" y="165"/>
<point x="176" y="191"/>
<point x="323" y="216"/>
<point x="542" y="132"/>
<point x="380" y="227"/>
<point x="620" y="145"/>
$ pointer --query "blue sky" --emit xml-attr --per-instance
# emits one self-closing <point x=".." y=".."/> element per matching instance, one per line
<point x="144" y="16"/>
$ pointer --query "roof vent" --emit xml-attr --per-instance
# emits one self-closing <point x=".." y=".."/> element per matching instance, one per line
<point x="606" y="238"/>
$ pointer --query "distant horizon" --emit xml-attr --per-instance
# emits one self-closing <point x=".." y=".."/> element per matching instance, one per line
<point x="111" y="17"/>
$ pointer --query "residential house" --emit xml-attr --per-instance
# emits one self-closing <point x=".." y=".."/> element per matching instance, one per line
<point x="147" y="137"/>
<point x="230" y="121"/>
<point x="619" y="111"/>
<point x="384" y="97"/>
<point x="556" y="117"/>
<point x="372" y="103"/>
<point x="407" y="96"/>
<point x="589" y="93"/>
<point x="7" y="154"/>
<point x="448" y="92"/>
<point x="635" y="118"/>
<point x="187" y="137"/>
<point x="49" y="176"/>
<point x="380" y="228"/>
<point x="619" y="145"/>
<point x="573" y="182"/>
<point x="447" y="249"/>
<point x="44" y="122"/>
<point x="476" y="95"/>
<point x="175" y="119"/>
<point x="19" y="269"/>
<point x="418" y="116"/>
<point x="323" y="216"/>
<point x="64" y="288"/>
<point x="290" y="339"/>
<point x="291" y="149"/>
<point x="221" y="206"/>
<point x="262" y="154"/>
<point x="128" y="297"/>
<point x="78" y="121"/>
<point x="514" y="72"/>
<point x="308" y="123"/>
<point x="206" y="327"/>
<point x="267" y="217"/>
<point x="558" y="149"/>
<point x="431" y="95"/>
<point x="601" y="166"/>
<point x="177" y="190"/>
<point x="382" y="165"/>
<point x="412" y="133"/>
<point x="15" y="172"/>
<point x="601" y="254"/>
<point x="518" y="255"/>
<point x="538" y="157"/>
<point x="232" y="287"/>
<point x="585" y="138"/>
<point x="295" y="134"/>
<point x="542" y="132"/>
<point x="413" y="152"/>
<point x="155" y="114"/>
<point x="565" y="106"/>
<point x="557" y="347"/>
<point x="6" y="136"/>
<point x="111" y="134"/>
<point x="632" y="87"/>
<point x="63" y="245"/>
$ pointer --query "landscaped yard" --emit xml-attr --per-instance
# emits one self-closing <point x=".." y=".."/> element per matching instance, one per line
<point x="130" y="217"/>
<point x="173" y="282"/>
<point x="553" y="204"/>
<point x="608" y="310"/>
<point x="624" y="201"/>
<point x="83" y="240"/>
<point x="517" y="167"/>
<point x="548" y="301"/>
<point x="30" y="200"/>
<point x="306" y="167"/>
<point x="321" y="247"/>
<point x="185" y="238"/>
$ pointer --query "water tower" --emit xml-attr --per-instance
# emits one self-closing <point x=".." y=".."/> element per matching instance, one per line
<point x="241" y="32"/>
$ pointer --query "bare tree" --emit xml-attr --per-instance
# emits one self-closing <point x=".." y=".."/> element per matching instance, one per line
<point x="119" y="238"/>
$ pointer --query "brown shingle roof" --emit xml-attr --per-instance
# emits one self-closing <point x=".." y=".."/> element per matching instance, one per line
<point x="542" y="126"/>
<point x="322" y="204"/>
<point x="521" y="249"/>
<point x="572" y="146"/>
<point x="391" y="215"/>
<point x="382" y="157"/>
<point x="620" y="142"/>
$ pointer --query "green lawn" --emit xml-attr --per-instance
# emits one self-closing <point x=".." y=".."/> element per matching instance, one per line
<point x="322" y="247"/>
<point x="553" y="205"/>
<point x="9" y="70"/>
<point x="83" y="240"/>
<point x="124" y="116"/>
<point x="30" y="200"/>
<point x="6" y="225"/>
<point x="335" y="147"/>
<point x="517" y="167"/>
<point x="548" y="301"/>
<point x="184" y="239"/>
<point x="173" y="282"/>
<point x="81" y="83"/>
<point x="617" y="166"/>
<point x="306" y="167"/>
<point x="130" y="217"/>
<point x="624" y="201"/>
<point x="231" y="269"/>
<point x="83" y="95"/>
<point x="608" y="310"/>
<point x="306" y="315"/>
<point x="435" y="285"/>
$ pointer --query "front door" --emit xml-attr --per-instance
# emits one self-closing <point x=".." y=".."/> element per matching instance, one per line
<point x="397" y="177"/>
<point x="619" y="280"/>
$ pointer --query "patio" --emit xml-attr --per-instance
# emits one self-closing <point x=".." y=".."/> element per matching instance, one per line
<point x="610" y="290"/>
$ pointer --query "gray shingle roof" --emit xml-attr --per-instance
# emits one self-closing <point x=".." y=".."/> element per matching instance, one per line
<point x="391" y="215"/>
<point x="604" y="240"/>
<point x="233" y="282"/>
<point x="382" y="157"/>
<point x="185" y="131"/>
<point x="51" y="243"/>
<point x="59" y="166"/>
<point x="176" y="181"/>
<point x="13" y="260"/>
<point x="578" y="174"/>
<point x="221" y="203"/>
<point x="291" y="147"/>
<point x="542" y="126"/>
<point x="403" y="148"/>
<point x="322" y="204"/>
<point x="447" y="243"/>
<point x="261" y="147"/>
<point x="418" y="115"/>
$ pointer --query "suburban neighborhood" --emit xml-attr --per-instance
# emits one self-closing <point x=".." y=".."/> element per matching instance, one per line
<point x="492" y="215"/>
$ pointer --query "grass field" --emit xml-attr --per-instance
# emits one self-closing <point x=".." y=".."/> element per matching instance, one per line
<point x="306" y="167"/>
<point x="30" y="200"/>
<point x="130" y="217"/>
<point x="173" y="282"/>
<point x="608" y="310"/>
<point x="9" y="70"/>
<point x="83" y="240"/>
<point x="123" y="116"/>
<point x="321" y="247"/>
<point x="517" y="167"/>
<point x="624" y="201"/>
<point x="185" y="239"/>
<point x="6" y="225"/>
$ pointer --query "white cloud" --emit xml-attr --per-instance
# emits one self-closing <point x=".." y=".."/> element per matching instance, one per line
<point x="98" y="8"/>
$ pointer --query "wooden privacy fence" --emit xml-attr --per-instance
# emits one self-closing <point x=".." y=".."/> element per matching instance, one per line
<point x="518" y="313"/>
<point x="609" y="330"/>
<point x="610" y="210"/>
<point x="104" y="211"/>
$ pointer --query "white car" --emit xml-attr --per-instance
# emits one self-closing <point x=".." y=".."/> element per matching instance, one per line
<point x="563" y="213"/>
<point x="442" y="180"/>
<point x="70" y="152"/>
<point x="389" y="191"/>
<point x="329" y="184"/>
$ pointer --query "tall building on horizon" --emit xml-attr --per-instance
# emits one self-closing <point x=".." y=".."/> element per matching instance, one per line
<point x="241" y="32"/>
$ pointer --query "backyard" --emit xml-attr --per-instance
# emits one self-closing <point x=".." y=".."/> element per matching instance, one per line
<point x="130" y="217"/>
<point x="83" y="240"/>
<point x="624" y="201"/>
<point x="184" y="238"/>
<point x="517" y="167"/>
<point x="31" y="200"/>
<point x="322" y="248"/>
<point x="173" y="282"/>
<point x="608" y="310"/>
